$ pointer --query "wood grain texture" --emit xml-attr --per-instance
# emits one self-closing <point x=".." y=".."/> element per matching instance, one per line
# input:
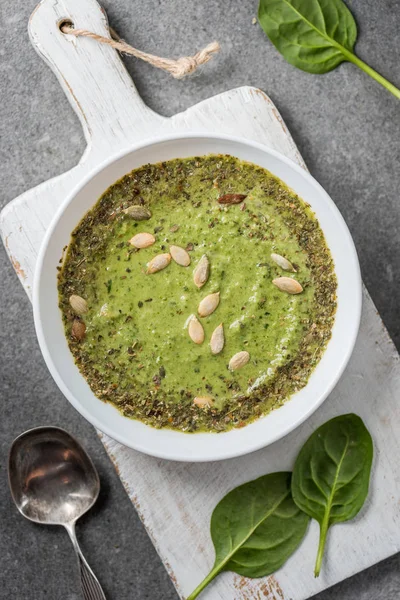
<point x="175" y="500"/>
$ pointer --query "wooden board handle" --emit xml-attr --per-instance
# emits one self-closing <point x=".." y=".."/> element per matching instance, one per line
<point x="92" y="74"/>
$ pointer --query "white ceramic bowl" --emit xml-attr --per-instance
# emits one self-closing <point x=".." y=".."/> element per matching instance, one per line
<point x="173" y="444"/>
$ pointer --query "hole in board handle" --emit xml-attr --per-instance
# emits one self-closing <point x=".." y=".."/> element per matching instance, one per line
<point x="65" y="23"/>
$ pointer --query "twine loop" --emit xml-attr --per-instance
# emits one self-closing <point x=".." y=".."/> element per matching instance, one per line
<point x="178" y="68"/>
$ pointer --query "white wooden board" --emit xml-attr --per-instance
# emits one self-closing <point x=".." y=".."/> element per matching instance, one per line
<point x="175" y="500"/>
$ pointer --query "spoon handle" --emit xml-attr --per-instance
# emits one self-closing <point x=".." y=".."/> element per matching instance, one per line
<point x="91" y="588"/>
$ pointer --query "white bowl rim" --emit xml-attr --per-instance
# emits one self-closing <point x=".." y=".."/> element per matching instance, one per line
<point x="258" y="442"/>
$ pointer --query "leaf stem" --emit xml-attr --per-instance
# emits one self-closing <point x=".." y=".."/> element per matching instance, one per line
<point x="321" y="546"/>
<point x="212" y="574"/>
<point x="371" y="72"/>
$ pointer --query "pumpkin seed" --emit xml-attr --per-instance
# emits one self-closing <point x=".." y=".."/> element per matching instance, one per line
<point x="196" y="331"/>
<point x="287" y="284"/>
<point x="203" y="401"/>
<point x="78" y="330"/>
<point x="208" y="305"/>
<point x="137" y="212"/>
<point x="239" y="360"/>
<point x="201" y="272"/>
<point x="217" y="340"/>
<point x="78" y="304"/>
<point x="158" y="263"/>
<point x="142" y="240"/>
<point x="283" y="262"/>
<point x="180" y="256"/>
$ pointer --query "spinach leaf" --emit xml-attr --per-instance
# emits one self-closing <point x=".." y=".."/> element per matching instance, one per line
<point x="255" y="528"/>
<point x="314" y="35"/>
<point x="331" y="474"/>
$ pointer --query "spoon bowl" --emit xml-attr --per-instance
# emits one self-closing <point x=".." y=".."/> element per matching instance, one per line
<point x="52" y="479"/>
<point x="54" y="482"/>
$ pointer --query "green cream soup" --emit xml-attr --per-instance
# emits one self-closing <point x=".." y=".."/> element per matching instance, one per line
<point x="129" y="325"/>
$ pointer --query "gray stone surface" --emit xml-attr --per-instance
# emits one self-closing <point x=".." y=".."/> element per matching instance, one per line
<point x="347" y="128"/>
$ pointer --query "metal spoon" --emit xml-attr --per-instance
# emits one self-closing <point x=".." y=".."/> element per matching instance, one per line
<point x="54" y="482"/>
